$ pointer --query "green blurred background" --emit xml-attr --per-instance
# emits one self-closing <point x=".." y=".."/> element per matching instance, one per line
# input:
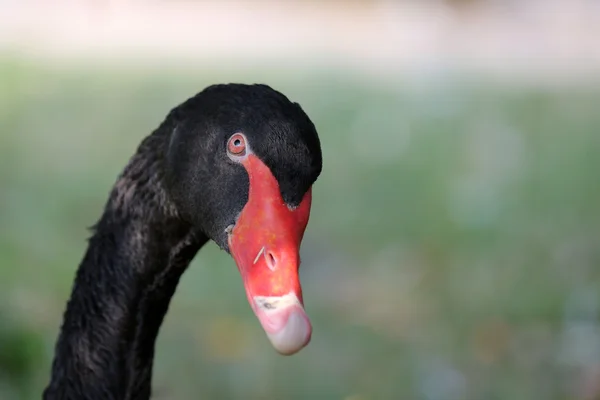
<point x="453" y="250"/>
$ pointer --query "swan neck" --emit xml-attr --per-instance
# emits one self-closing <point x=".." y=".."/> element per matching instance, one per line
<point x="121" y="294"/>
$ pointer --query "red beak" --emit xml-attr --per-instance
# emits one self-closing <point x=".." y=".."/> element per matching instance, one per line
<point x="265" y="244"/>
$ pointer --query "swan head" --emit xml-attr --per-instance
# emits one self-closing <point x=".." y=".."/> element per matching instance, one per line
<point x="241" y="162"/>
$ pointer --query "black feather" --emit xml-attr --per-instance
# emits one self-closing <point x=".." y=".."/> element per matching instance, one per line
<point x="178" y="191"/>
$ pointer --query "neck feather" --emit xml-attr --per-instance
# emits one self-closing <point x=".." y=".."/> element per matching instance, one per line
<point x="123" y="286"/>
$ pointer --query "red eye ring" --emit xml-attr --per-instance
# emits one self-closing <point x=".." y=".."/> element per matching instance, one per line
<point x="237" y="144"/>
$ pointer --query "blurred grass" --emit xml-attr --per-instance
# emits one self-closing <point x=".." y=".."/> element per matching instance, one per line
<point x="453" y="249"/>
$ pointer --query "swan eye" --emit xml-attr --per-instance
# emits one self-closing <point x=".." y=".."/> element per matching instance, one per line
<point x="236" y="146"/>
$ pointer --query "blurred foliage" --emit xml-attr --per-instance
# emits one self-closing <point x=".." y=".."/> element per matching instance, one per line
<point x="21" y="351"/>
<point x="452" y="253"/>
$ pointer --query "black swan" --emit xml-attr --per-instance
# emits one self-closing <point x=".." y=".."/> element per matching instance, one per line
<point x="234" y="164"/>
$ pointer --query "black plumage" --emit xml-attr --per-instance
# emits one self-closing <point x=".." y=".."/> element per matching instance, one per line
<point x="177" y="192"/>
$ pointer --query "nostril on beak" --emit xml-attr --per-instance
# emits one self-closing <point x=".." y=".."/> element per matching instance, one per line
<point x="271" y="260"/>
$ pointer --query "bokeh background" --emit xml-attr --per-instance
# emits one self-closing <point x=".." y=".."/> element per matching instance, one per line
<point x="454" y="246"/>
